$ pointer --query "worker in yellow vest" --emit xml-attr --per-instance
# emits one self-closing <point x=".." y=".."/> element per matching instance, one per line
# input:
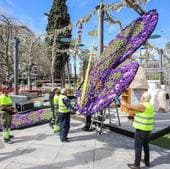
<point x="143" y="124"/>
<point x="64" y="109"/>
<point x="56" y="127"/>
<point x="52" y="106"/>
<point x="51" y="101"/>
<point x="6" y="111"/>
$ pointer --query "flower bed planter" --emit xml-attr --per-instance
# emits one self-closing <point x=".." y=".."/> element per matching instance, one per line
<point x="30" y="118"/>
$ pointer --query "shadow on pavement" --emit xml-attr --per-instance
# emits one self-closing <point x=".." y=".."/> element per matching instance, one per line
<point x="37" y="137"/>
<point x="80" y="158"/>
<point x="108" y="148"/>
<point x="15" y="153"/>
<point x="163" y="159"/>
<point x="104" y="147"/>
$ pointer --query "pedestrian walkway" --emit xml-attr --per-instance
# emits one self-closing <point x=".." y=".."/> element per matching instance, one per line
<point x="38" y="148"/>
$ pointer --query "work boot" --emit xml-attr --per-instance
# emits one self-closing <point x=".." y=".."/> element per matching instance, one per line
<point x="11" y="136"/>
<point x="89" y="129"/>
<point x="147" y="164"/>
<point x="8" y="141"/>
<point x="65" y="141"/>
<point x="85" y="128"/>
<point x="133" y="166"/>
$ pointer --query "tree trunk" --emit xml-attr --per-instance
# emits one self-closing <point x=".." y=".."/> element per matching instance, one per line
<point x="29" y="81"/>
<point x="63" y="75"/>
<point x="30" y="64"/>
<point x="53" y="69"/>
<point x="53" y="59"/>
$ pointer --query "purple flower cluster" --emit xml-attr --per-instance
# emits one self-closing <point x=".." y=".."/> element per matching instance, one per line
<point x="104" y="83"/>
<point x="117" y="81"/>
<point x="126" y="43"/>
<point x="30" y="118"/>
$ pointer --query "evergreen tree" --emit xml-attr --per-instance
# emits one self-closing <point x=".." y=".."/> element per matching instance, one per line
<point x="58" y="18"/>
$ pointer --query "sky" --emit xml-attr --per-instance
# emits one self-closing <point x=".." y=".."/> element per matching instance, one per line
<point x="31" y="13"/>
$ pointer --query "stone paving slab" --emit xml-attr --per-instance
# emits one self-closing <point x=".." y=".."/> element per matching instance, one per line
<point x="38" y="148"/>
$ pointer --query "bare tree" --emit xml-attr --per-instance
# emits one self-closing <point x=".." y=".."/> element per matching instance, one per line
<point x="32" y="51"/>
<point x="35" y="57"/>
<point x="9" y="28"/>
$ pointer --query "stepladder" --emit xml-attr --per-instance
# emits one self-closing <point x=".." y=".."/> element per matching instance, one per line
<point x="109" y="115"/>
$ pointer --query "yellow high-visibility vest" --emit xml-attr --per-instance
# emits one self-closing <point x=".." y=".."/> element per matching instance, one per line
<point x="61" y="106"/>
<point x="5" y="100"/>
<point x="55" y="101"/>
<point x="144" y="120"/>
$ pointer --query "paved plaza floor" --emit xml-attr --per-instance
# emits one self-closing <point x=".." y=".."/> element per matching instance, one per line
<point x="38" y="148"/>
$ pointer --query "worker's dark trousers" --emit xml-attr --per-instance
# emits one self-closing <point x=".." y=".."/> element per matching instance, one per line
<point x="88" y="122"/>
<point x="141" y="140"/>
<point x="64" y="120"/>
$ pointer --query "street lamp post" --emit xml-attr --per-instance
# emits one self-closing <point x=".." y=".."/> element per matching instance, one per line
<point x="156" y="36"/>
<point x="160" y="67"/>
<point x="100" y="29"/>
<point x="100" y="37"/>
<point x="75" y="70"/>
<point x="15" y="50"/>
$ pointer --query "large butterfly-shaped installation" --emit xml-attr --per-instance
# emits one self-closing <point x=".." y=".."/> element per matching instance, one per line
<point x="107" y="79"/>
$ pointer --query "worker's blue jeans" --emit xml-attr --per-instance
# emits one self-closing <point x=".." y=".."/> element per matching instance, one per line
<point x="141" y="140"/>
<point x="64" y="120"/>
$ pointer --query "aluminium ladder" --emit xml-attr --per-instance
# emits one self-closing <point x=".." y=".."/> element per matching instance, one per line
<point x="99" y="118"/>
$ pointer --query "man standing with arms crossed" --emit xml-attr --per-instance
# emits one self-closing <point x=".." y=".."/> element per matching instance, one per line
<point x="143" y="124"/>
<point x="64" y="109"/>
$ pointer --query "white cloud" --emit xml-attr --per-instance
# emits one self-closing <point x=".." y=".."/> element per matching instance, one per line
<point x="9" y="2"/>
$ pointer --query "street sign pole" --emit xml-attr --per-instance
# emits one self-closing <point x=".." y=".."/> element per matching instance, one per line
<point x="100" y="29"/>
<point x="160" y="67"/>
<point x="15" y="50"/>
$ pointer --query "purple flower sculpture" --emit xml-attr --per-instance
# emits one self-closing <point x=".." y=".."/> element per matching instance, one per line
<point x="106" y="81"/>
